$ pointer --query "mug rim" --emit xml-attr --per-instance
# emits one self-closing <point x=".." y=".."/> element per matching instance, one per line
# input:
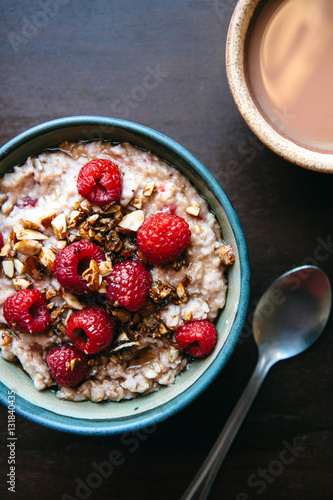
<point x="260" y="126"/>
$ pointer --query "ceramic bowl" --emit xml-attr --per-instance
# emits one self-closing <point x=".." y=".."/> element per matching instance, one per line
<point x="112" y="417"/>
<point x="236" y="66"/>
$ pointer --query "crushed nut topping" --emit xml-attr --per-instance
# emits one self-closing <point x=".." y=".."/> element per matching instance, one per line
<point x="132" y="221"/>
<point x="92" y="276"/>
<point x="28" y="247"/>
<point x="8" y="267"/>
<point x="21" y="284"/>
<point x="193" y="209"/>
<point x="149" y="188"/>
<point x="59" y="226"/>
<point x="227" y="255"/>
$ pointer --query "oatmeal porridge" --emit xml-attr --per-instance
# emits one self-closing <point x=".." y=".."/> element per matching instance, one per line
<point x="118" y="278"/>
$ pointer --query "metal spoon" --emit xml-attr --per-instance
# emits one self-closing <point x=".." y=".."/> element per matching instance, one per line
<point x="289" y="317"/>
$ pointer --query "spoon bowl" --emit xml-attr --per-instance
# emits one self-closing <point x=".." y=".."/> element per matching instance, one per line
<point x="292" y="313"/>
<point x="289" y="317"/>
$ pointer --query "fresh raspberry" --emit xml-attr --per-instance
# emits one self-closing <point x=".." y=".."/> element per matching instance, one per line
<point x="99" y="181"/>
<point x="91" y="329"/>
<point x="27" y="311"/>
<point x="1" y="240"/>
<point x="68" y="365"/>
<point x="198" y="338"/>
<point x="163" y="237"/>
<point x="129" y="285"/>
<point x="72" y="261"/>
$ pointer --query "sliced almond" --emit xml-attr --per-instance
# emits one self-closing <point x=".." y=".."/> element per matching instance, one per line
<point x="105" y="268"/>
<point x="137" y="202"/>
<point x="32" y="267"/>
<point x="74" y="217"/>
<point x="21" y="283"/>
<point x="91" y="276"/>
<point x="69" y="314"/>
<point x="19" y="266"/>
<point x="227" y="255"/>
<point x="28" y="247"/>
<point x="122" y="337"/>
<point x="112" y="209"/>
<point x="47" y="258"/>
<point x="149" y="188"/>
<point x="27" y="224"/>
<point x="29" y="234"/>
<point x="133" y="221"/>
<point x="61" y="244"/>
<point x="6" y="248"/>
<point x="103" y="287"/>
<point x="48" y="218"/>
<point x="71" y="300"/>
<point x="73" y="363"/>
<point x="188" y="315"/>
<point x="85" y="206"/>
<point x="124" y="346"/>
<point x="59" y="226"/>
<point x="8" y="268"/>
<point x="93" y="218"/>
<point x="193" y="209"/>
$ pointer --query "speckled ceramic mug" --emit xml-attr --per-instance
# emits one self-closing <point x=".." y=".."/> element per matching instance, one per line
<point x="237" y="72"/>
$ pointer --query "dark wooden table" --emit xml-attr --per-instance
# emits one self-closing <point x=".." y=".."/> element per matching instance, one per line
<point x="162" y="64"/>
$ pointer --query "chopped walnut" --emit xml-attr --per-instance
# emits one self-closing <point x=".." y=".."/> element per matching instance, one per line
<point x="161" y="291"/>
<point x="121" y="314"/>
<point x="227" y="255"/>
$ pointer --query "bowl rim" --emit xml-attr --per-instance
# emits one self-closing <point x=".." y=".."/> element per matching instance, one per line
<point x="104" y="427"/>
<point x="236" y="74"/>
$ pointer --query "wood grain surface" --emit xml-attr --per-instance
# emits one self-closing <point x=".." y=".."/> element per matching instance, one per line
<point x="161" y="64"/>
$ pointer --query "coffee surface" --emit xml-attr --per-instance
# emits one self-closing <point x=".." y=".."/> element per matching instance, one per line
<point x="290" y="69"/>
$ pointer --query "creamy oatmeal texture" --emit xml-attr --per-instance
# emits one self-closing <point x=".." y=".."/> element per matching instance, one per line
<point x="131" y="366"/>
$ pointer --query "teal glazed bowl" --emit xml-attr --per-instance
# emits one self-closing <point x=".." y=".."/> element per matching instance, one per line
<point x="114" y="417"/>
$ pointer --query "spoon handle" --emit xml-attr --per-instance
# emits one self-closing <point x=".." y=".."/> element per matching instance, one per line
<point x="201" y="485"/>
